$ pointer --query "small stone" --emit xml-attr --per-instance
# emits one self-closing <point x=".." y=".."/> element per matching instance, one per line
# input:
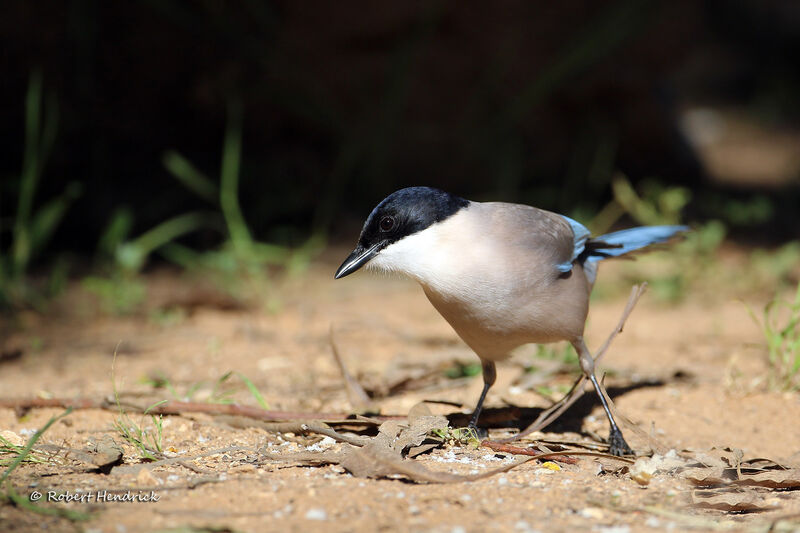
<point x="316" y="514"/>
<point x="592" y="513"/>
<point x="12" y="438"/>
<point x="653" y="522"/>
<point x="614" y="529"/>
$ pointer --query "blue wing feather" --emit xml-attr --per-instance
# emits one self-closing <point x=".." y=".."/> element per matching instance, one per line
<point x="580" y="235"/>
<point x="628" y="240"/>
<point x="614" y="244"/>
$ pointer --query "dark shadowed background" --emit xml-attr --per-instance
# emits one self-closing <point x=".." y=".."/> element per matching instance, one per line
<point x="338" y="104"/>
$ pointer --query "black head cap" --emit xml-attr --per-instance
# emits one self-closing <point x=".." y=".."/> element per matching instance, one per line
<point x="400" y="214"/>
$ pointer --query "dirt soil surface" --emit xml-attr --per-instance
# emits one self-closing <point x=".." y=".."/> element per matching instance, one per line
<point x="689" y="377"/>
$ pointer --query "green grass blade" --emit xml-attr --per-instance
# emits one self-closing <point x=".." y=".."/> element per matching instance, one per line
<point x="153" y="406"/>
<point x="254" y="391"/>
<point x="229" y="182"/>
<point x="31" y="164"/>
<point x="191" y="178"/>
<point x="47" y="218"/>
<point x="116" y="232"/>
<point x="132" y="255"/>
<point x="31" y="443"/>
<point x="25" y="503"/>
<point x="30" y="158"/>
<point x="183" y="256"/>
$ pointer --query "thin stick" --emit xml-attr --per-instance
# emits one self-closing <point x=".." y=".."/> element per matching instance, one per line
<point x="636" y="292"/>
<point x="174" y="407"/>
<point x="561" y="456"/>
<point x="516" y="450"/>
<point x="355" y="392"/>
<point x="302" y="427"/>
<point x="550" y="415"/>
<point x="135" y="468"/>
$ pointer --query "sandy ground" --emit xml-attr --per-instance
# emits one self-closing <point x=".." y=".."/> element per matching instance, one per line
<point x="689" y="376"/>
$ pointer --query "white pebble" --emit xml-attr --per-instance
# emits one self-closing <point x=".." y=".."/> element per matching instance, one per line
<point x="316" y="514"/>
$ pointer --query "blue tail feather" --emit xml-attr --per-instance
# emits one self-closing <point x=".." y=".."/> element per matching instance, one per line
<point x="627" y="240"/>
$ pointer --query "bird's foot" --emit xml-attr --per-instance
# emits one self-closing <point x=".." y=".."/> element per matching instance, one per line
<point x="480" y="433"/>
<point x="617" y="445"/>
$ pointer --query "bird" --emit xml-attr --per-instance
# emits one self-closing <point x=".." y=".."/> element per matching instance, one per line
<point x="501" y="274"/>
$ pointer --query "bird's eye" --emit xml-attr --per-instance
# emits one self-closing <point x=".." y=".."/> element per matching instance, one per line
<point x="387" y="223"/>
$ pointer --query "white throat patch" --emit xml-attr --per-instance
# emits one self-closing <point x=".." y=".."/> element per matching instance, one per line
<point x="437" y="256"/>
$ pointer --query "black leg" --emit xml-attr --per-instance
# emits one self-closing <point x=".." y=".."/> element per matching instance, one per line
<point x="473" y="422"/>
<point x="616" y="442"/>
<point x="489" y="375"/>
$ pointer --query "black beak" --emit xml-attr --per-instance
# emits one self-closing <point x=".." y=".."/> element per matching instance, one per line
<point x="357" y="259"/>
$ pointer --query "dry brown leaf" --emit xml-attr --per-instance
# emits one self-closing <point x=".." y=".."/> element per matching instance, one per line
<point x="734" y="501"/>
<point x="373" y="460"/>
<point x="419" y="429"/>
<point x="376" y="461"/>
<point x="710" y="477"/>
<point x="382" y="456"/>
<point x="417" y="410"/>
<point x="102" y="454"/>
<point x="772" y="479"/>
<point x="414" y="451"/>
<point x="106" y="452"/>
<point x="762" y="463"/>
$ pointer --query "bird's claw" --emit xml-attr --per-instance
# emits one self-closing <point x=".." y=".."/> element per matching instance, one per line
<point x="480" y="433"/>
<point x="617" y="445"/>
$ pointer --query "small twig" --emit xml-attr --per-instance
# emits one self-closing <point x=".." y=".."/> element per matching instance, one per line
<point x="322" y="428"/>
<point x="636" y="292"/>
<point x="516" y="450"/>
<point x="355" y="392"/>
<point x="564" y="454"/>
<point x="193" y="483"/>
<point x="712" y="524"/>
<point x="549" y="415"/>
<point x="195" y="468"/>
<point x="587" y="445"/>
<point x="298" y="427"/>
<point x="174" y="407"/>
<point x="133" y="469"/>
<point x="75" y="403"/>
<point x="306" y="458"/>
